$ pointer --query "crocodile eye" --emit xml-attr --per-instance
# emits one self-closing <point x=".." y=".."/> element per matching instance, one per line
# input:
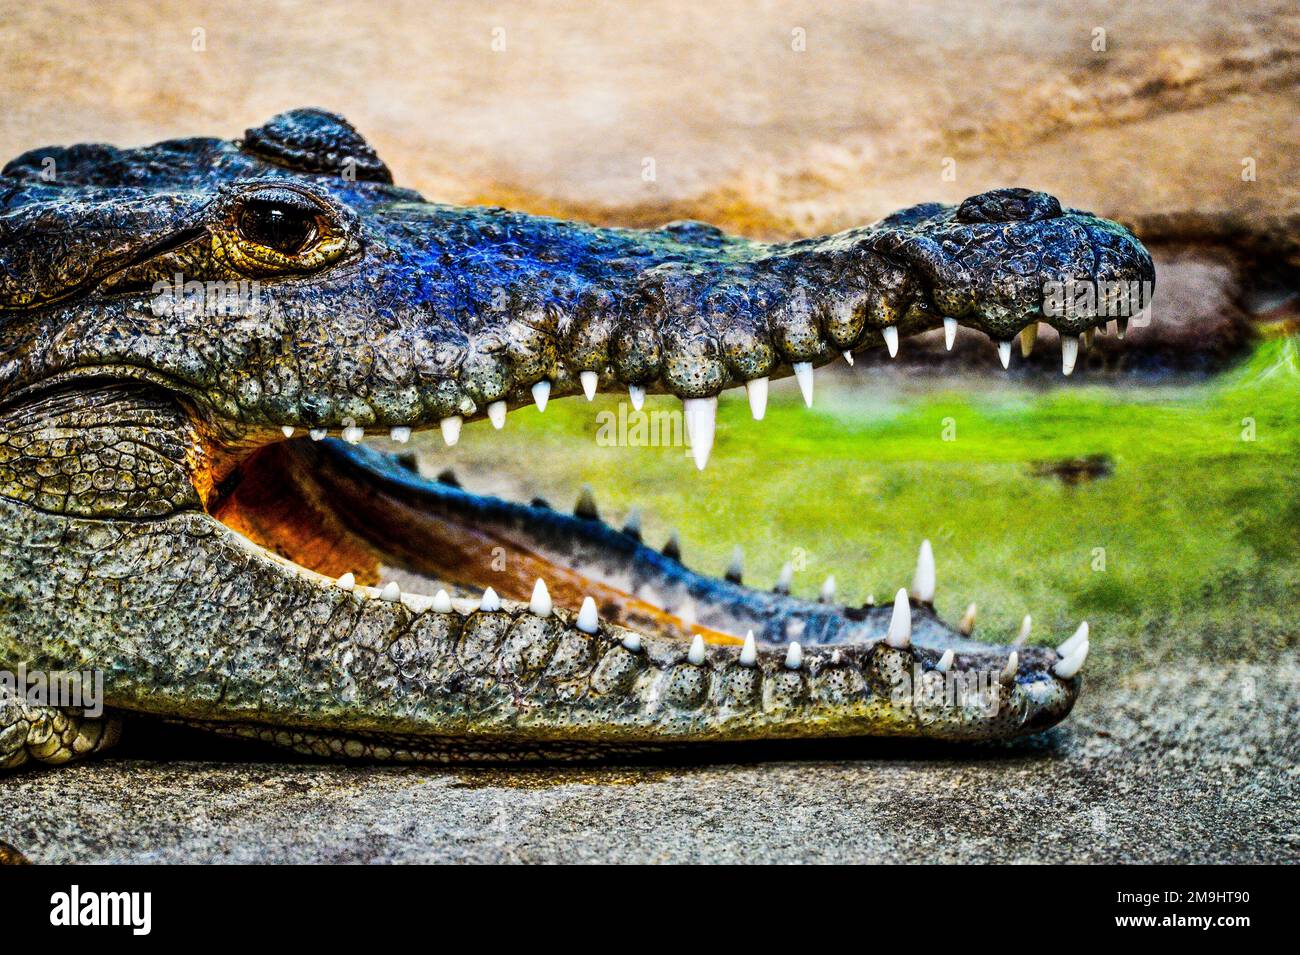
<point x="281" y="226"/>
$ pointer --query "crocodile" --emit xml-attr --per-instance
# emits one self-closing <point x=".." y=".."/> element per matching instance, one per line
<point x="212" y="352"/>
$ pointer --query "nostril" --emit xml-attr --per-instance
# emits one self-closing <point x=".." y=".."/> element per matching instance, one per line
<point x="1009" y="205"/>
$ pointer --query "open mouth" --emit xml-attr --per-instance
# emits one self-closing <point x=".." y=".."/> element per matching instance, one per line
<point x="352" y="512"/>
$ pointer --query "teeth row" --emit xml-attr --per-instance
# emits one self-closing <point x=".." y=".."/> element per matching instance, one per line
<point x="1071" y="653"/>
<point x="701" y="413"/>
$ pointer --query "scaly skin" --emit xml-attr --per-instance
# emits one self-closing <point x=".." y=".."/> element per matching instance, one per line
<point x="145" y="528"/>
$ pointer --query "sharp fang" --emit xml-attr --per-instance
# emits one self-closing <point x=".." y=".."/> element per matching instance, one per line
<point x="749" y="652"/>
<point x="1121" y="328"/>
<point x="400" y="435"/>
<point x="589" y="381"/>
<point x="441" y="602"/>
<point x="828" y="589"/>
<point x="1071" y="665"/>
<point x="701" y="423"/>
<point x="1088" y="337"/>
<point x="1080" y="636"/>
<point x="695" y="655"/>
<point x="318" y="434"/>
<point x="1023" y="635"/>
<point x="673" y="546"/>
<point x="686" y="614"/>
<point x="736" y="569"/>
<point x="967" y="625"/>
<point x="794" y="656"/>
<point x="871" y="600"/>
<point x="848" y="356"/>
<point x="945" y="661"/>
<point x="1004" y="353"/>
<point x="588" y="620"/>
<point x="636" y="394"/>
<point x="923" y="581"/>
<point x="497" y="414"/>
<point x="1009" y="671"/>
<point x="890" y="334"/>
<point x="489" y="602"/>
<point x="347" y="581"/>
<point x="353" y="435"/>
<point x="900" y="624"/>
<point x="757" y="391"/>
<point x="632" y="643"/>
<point x="391" y="592"/>
<point x="784" y="579"/>
<point x="1069" y="353"/>
<point x="540" y="605"/>
<point x="632" y="526"/>
<point x="586" y="504"/>
<point x="451" y="429"/>
<point x="1028" y="335"/>
<point x="287" y="430"/>
<point x="541" y="392"/>
<point x="949" y="332"/>
<point x="803" y="372"/>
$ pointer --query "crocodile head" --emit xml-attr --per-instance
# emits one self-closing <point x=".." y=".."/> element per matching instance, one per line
<point x="196" y="335"/>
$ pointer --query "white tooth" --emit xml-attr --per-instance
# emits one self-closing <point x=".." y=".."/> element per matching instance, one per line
<point x="1004" y="353"/>
<point x="442" y="602"/>
<point x="400" y="435"/>
<point x="451" y="429"/>
<point x="1121" y="328"/>
<point x="1069" y="353"/>
<point x="489" y="602"/>
<point x="890" y="334"/>
<point x="1009" y="671"/>
<point x="967" y="625"/>
<point x="287" y="430"/>
<point x="736" y="569"/>
<point x="945" y="661"/>
<point x="497" y="414"/>
<point x="636" y="394"/>
<point x="848" y="356"/>
<point x="794" y="656"/>
<point x="1070" y="665"/>
<point x="541" y="392"/>
<point x="749" y="652"/>
<point x="588" y="620"/>
<point x="923" y="581"/>
<point x="949" y="331"/>
<point x="632" y="525"/>
<point x="871" y="600"/>
<point x="701" y="422"/>
<point x="1028" y="335"/>
<point x="347" y="581"/>
<point x="757" y="391"/>
<point x="803" y="371"/>
<point x="696" y="654"/>
<point x="541" y="602"/>
<point x="828" y="589"/>
<point x="1023" y="635"/>
<point x="784" y="579"/>
<point x="1080" y="636"/>
<point x="686" y="613"/>
<point x="318" y="434"/>
<point x="352" y="434"/>
<point x="632" y="643"/>
<point x="391" y="592"/>
<point x="900" y="624"/>
<point x="589" y="381"/>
